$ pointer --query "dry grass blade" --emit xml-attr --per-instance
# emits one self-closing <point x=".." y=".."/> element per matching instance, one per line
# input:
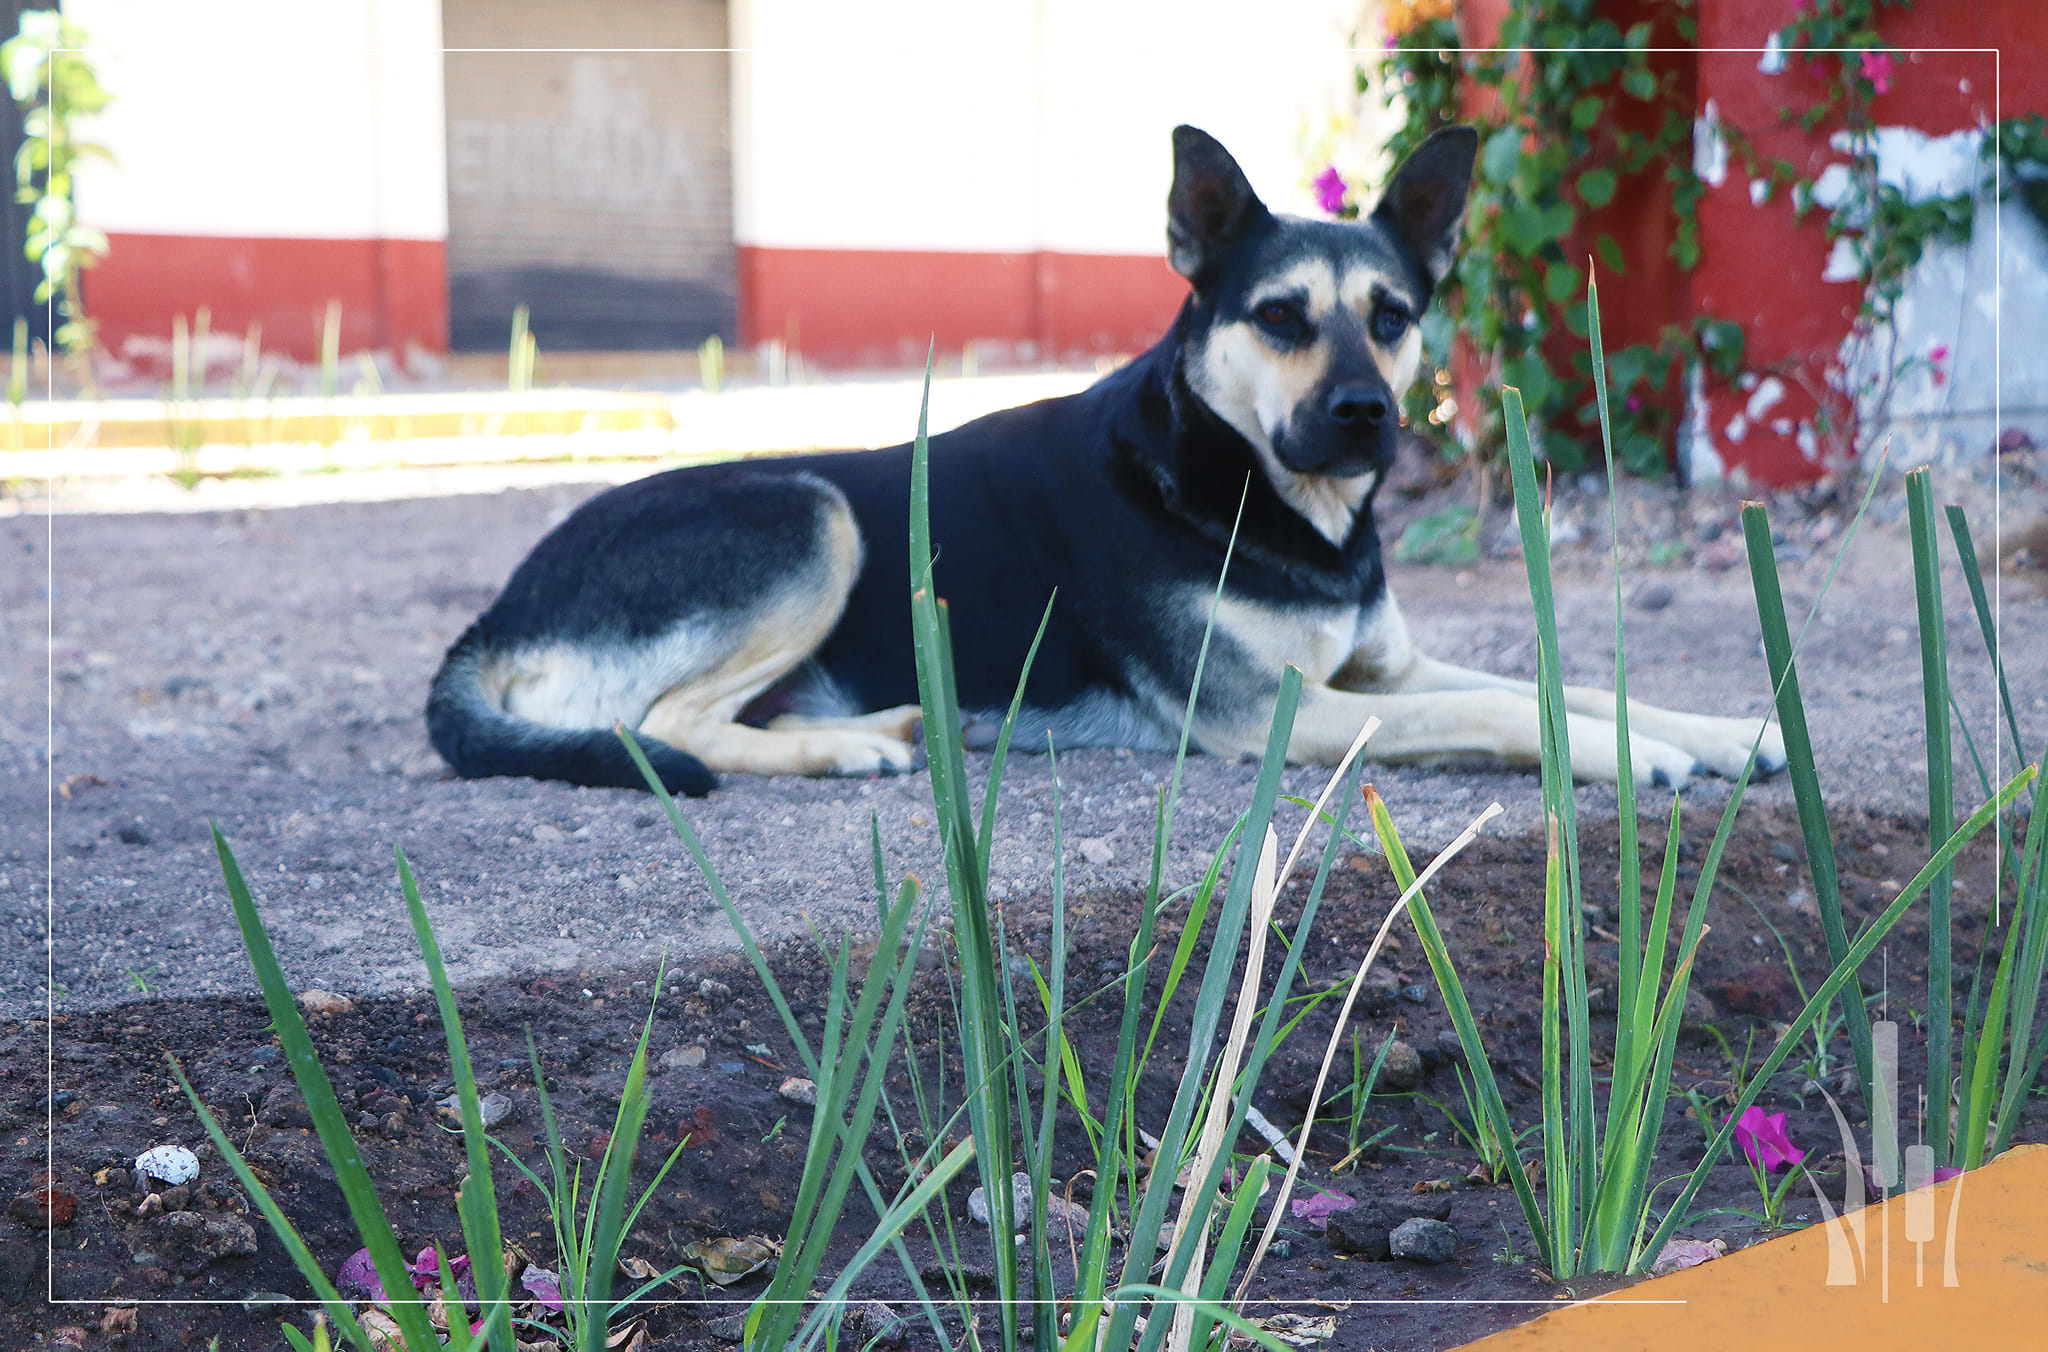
<point x="1191" y="1229"/>
<point x="1379" y="939"/>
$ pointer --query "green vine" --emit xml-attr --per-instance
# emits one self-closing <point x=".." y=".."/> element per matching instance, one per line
<point x="1557" y="142"/>
<point x="49" y="76"/>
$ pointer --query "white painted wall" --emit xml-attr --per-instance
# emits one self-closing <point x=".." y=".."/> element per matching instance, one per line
<point x="1031" y="124"/>
<point x="317" y="119"/>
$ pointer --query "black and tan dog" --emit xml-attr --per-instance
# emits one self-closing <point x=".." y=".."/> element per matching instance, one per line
<point x="755" y="618"/>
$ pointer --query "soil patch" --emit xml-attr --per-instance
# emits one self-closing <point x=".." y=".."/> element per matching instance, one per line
<point x="722" y="1057"/>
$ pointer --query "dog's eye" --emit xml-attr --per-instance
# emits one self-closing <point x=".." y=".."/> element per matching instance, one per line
<point x="1388" y="324"/>
<point x="1279" y="317"/>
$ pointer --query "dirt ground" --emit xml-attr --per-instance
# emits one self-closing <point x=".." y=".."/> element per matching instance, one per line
<point x="265" y="670"/>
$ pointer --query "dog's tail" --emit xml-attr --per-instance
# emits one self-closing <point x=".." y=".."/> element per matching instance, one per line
<point x="479" y="739"/>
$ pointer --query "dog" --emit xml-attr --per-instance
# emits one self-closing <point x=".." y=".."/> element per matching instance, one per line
<point x="754" y="618"/>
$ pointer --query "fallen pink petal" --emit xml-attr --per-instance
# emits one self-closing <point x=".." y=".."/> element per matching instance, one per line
<point x="1320" y="1206"/>
<point x="544" y="1286"/>
<point x="1938" y="353"/>
<point x="1762" y="1138"/>
<point x="358" y="1277"/>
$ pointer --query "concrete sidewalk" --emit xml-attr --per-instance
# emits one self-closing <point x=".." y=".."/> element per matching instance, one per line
<point x="129" y="455"/>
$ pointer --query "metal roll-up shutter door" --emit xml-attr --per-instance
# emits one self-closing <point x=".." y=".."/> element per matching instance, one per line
<point x="594" y="187"/>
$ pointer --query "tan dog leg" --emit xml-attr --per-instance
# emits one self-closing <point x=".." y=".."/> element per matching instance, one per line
<point x="698" y="715"/>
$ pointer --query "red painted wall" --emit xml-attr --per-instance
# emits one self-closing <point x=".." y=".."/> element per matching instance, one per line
<point x="848" y="307"/>
<point x="393" y="292"/>
<point x="1760" y="268"/>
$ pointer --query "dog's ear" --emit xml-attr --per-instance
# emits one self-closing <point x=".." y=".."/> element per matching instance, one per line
<point x="1425" y="199"/>
<point x="1210" y="209"/>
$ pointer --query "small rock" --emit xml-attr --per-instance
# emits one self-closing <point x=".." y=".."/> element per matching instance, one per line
<point x="173" y="1164"/>
<point x="1449" y="1047"/>
<point x="731" y="1328"/>
<point x="1281" y="1249"/>
<point x="1763" y="989"/>
<point x="52" y="1205"/>
<point x="1783" y="852"/>
<point x="1416" y="993"/>
<point x="1403" y="1067"/>
<point x="366" y="1120"/>
<point x="320" y="1004"/>
<point x="1359" y="1230"/>
<point x="152" y="1205"/>
<point x="176" y="1199"/>
<point x="1097" y="850"/>
<point x="392" y="1125"/>
<point x="715" y="993"/>
<point x="549" y="835"/>
<point x="1653" y="596"/>
<point x="492" y="1107"/>
<point x="1423" y="1241"/>
<point x="800" y="1091"/>
<point x="189" y="1241"/>
<point x="682" y="1058"/>
<point x="883" y="1326"/>
<point x="113" y="1177"/>
<point x="1020" y="1202"/>
<point x="1377" y="996"/>
<point x="265" y="1056"/>
<point x="284" y="1107"/>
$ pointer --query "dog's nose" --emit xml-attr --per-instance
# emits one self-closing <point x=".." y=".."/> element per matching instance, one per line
<point x="1359" y="407"/>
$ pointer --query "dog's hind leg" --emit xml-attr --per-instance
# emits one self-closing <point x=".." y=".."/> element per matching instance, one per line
<point x="699" y="715"/>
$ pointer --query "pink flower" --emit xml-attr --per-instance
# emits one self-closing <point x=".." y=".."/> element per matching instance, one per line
<point x="1329" y="186"/>
<point x="1635" y="403"/>
<point x="1877" y="68"/>
<point x="1762" y="1138"/>
<point x="1938" y="353"/>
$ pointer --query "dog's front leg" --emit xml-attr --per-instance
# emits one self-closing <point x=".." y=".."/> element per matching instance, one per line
<point x="1720" y="744"/>
<point x="1474" y="722"/>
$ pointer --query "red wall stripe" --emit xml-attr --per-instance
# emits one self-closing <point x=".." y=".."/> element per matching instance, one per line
<point x="882" y="306"/>
<point x="393" y="292"/>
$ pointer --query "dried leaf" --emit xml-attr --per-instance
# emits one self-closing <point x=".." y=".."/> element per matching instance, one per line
<point x="726" y="1260"/>
<point x="1685" y="1253"/>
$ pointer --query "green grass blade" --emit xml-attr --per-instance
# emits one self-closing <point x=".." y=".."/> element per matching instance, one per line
<point x="1940" y="805"/>
<point x="1987" y="623"/>
<point x="480" y="1230"/>
<point x="1806" y="792"/>
<point x="302" y="1258"/>
<point x="359" y="1194"/>
<point x="1868" y="938"/>
<point x="1452" y="988"/>
<point x="992" y="791"/>
<point x="1210" y="995"/>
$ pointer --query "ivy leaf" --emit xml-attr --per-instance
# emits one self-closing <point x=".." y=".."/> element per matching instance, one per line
<point x="1610" y="255"/>
<point x="1521" y="229"/>
<point x="1528" y="374"/>
<point x="1503" y="152"/>
<point x="1557" y="219"/>
<point x="1585" y="112"/>
<point x="1640" y="83"/>
<point x="1560" y="282"/>
<point x="1596" y="187"/>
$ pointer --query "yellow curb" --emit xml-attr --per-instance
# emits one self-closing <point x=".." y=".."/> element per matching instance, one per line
<point x="1776" y="1294"/>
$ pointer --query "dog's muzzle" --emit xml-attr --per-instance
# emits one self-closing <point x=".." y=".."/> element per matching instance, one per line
<point x="1352" y="433"/>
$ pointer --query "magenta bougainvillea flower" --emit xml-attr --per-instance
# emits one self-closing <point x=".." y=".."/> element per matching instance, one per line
<point x="1329" y="186"/>
<point x="1878" y="68"/>
<point x="1762" y="1138"/>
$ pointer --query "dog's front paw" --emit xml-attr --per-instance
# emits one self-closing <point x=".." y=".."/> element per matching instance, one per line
<point x="1660" y="765"/>
<point x="1723" y="746"/>
<point x="869" y="753"/>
